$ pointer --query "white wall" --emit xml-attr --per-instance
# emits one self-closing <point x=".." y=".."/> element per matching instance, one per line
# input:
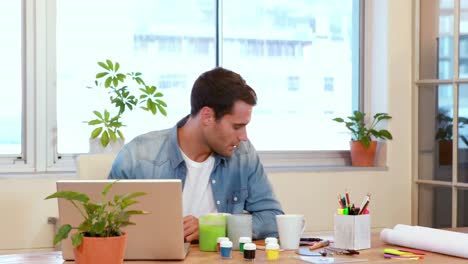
<point x="23" y="220"/>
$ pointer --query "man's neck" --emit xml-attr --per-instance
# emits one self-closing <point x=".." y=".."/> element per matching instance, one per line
<point x="191" y="141"/>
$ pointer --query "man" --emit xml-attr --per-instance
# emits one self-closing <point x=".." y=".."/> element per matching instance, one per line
<point x="209" y="151"/>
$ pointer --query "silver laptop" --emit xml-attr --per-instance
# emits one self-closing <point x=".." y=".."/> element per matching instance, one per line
<point x="158" y="235"/>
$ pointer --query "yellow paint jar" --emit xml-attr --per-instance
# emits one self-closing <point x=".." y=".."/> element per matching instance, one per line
<point x="272" y="251"/>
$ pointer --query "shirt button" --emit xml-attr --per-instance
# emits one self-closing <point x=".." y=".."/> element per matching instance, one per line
<point x="217" y="202"/>
<point x="213" y="181"/>
<point x="235" y="199"/>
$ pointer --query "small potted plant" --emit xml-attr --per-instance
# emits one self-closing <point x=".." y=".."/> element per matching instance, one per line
<point x="127" y="92"/>
<point x="100" y="230"/>
<point x="444" y="135"/>
<point x="362" y="146"/>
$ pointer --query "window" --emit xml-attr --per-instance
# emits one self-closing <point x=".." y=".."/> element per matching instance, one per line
<point x="443" y="114"/>
<point x="11" y="75"/>
<point x="284" y="49"/>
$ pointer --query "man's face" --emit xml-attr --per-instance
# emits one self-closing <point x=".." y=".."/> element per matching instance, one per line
<point x="224" y="135"/>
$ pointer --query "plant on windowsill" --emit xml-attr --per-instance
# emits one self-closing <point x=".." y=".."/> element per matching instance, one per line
<point x="127" y="92"/>
<point x="363" y="148"/>
<point x="100" y="230"/>
<point x="445" y="135"/>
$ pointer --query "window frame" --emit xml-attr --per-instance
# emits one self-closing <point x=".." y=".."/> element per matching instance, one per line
<point x="39" y="151"/>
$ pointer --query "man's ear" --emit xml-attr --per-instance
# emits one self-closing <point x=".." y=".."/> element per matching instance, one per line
<point x="207" y="115"/>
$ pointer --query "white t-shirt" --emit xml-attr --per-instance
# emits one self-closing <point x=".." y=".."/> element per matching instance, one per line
<point x="197" y="197"/>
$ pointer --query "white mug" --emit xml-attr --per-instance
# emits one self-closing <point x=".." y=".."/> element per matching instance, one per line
<point x="290" y="228"/>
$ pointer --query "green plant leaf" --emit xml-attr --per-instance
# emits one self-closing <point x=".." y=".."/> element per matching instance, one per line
<point x="96" y="132"/>
<point x="161" y="109"/>
<point x="102" y="64"/>
<point x="62" y="233"/>
<point x="108" y="187"/>
<point x="161" y="102"/>
<point x="338" y="119"/>
<point x="108" y="82"/>
<point x="97" y="114"/>
<point x="385" y="134"/>
<point x="113" y="137"/>
<point x="106" y="115"/>
<point x="77" y="239"/>
<point x="117" y="66"/>
<point x="101" y="74"/>
<point x="115" y="81"/>
<point x="134" y="212"/>
<point x="120" y="134"/>
<point x="94" y="122"/>
<point x="158" y="94"/>
<point x="85" y="226"/>
<point x="110" y="65"/>
<point x="69" y="195"/>
<point x="105" y="139"/>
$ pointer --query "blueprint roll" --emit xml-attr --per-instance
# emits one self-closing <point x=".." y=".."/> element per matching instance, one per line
<point x="430" y="239"/>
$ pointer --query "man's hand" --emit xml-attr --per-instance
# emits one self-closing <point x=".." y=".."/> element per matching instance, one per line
<point x="190" y="228"/>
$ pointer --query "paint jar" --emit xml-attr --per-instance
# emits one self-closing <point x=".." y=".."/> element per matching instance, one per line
<point x="211" y="227"/>
<point x="272" y="251"/>
<point x="269" y="240"/>
<point x="249" y="251"/>
<point x="242" y="241"/>
<point x="221" y="239"/>
<point x="225" y="249"/>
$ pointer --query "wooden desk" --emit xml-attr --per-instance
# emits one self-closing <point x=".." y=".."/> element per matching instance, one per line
<point x="374" y="255"/>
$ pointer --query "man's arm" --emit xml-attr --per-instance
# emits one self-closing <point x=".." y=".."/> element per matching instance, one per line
<point x="261" y="202"/>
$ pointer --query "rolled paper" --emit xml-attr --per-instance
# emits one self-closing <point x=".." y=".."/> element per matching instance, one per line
<point x="430" y="239"/>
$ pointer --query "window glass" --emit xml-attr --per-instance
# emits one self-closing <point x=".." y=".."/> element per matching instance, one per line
<point x="298" y="56"/>
<point x="169" y="42"/>
<point x="11" y="75"/>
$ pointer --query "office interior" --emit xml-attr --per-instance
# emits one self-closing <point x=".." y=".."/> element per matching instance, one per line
<point x="392" y="64"/>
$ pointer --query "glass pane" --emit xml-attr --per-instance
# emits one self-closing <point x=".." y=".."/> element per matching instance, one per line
<point x="463" y="133"/>
<point x="436" y="39"/>
<point x="435" y="206"/>
<point x="435" y="132"/>
<point x="301" y="57"/>
<point x="11" y="76"/>
<point x="463" y="46"/>
<point x="169" y="42"/>
<point x="462" y="209"/>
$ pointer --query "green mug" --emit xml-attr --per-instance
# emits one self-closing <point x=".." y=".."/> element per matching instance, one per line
<point x="211" y="227"/>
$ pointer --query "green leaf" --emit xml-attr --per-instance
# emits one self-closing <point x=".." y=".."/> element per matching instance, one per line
<point x="110" y="65"/>
<point x="161" y="102"/>
<point x="117" y="66"/>
<point x="77" y="239"/>
<point x="106" y="115"/>
<point x="385" y="134"/>
<point x="62" y="233"/>
<point x="101" y="74"/>
<point x="121" y="77"/>
<point x="94" y="122"/>
<point x="108" y="187"/>
<point x="338" y="119"/>
<point x="102" y="64"/>
<point x="116" y="81"/>
<point x="132" y="195"/>
<point x="96" y="132"/>
<point x="69" y="195"/>
<point x="97" y="114"/>
<point x="134" y="212"/>
<point x="162" y="110"/>
<point x="105" y="139"/>
<point x="108" y="82"/>
<point x="85" y="226"/>
<point x="158" y="94"/>
<point x="120" y="134"/>
<point x="112" y="135"/>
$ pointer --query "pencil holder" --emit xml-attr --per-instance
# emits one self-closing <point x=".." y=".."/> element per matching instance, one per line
<point x="352" y="231"/>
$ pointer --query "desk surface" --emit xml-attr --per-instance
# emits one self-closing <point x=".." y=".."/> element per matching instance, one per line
<point x="373" y="255"/>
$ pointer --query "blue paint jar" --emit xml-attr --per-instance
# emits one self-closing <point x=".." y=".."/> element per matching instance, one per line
<point x="225" y="249"/>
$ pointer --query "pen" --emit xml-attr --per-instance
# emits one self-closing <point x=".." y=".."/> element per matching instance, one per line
<point x="363" y="204"/>
<point x="320" y="244"/>
<point x="347" y="199"/>
<point x="363" y="209"/>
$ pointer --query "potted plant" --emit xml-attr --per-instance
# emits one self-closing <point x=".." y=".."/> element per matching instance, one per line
<point x="127" y="91"/>
<point x="444" y="135"/>
<point x="100" y="230"/>
<point x="362" y="146"/>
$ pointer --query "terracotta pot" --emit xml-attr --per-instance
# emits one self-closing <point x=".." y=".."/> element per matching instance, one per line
<point x="361" y="156"/>
<point x="102" y="250"/>
<point x="445" y="152"/>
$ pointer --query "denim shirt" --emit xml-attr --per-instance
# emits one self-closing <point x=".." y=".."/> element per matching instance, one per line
<point x="238" y="182"/>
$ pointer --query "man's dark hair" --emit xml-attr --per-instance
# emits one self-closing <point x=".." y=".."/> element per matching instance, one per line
<point x="219" y="89"/>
